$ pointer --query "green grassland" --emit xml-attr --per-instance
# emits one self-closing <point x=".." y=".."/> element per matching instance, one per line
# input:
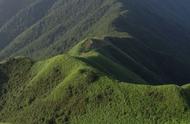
<point x="65" y="89"/>
<point x="115" y="62"/>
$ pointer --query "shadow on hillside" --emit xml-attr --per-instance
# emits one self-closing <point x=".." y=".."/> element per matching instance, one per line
<point x="153" y="67"/>
<point x="158" y="26"/>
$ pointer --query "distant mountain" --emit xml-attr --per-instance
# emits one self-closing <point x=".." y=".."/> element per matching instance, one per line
<point x="49" y="27"/>
<point x="9" y="8"/>
<point x="94" y="61"/>
<point x="156" y="32"/>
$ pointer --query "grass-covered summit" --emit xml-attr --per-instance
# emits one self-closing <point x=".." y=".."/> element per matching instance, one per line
<point x="65" y="89"/>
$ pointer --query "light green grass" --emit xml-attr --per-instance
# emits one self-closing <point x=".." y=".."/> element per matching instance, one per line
<point x="65" y="89"/>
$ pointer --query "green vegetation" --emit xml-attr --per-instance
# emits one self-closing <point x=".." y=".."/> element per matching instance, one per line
<point x="64" y="89"/>
<point x="45" y="33"/>
<point x="115" y="62"/>
<point x="44" y="28"/>
<point x="155" y="49"/>
<point x="124" y="59"/>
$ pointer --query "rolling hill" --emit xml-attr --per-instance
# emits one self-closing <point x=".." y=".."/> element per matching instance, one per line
<point x="94" y="61"/>
<point x="64" y="89"/>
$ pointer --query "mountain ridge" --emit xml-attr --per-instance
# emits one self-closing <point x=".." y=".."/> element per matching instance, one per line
<point x="50" y="89"/>
<point x="97" y="61"/>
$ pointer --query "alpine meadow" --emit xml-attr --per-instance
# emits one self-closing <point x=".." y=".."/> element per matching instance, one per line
<point x="94" y="62"/>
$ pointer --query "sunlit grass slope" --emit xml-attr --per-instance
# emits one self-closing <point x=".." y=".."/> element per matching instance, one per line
<point x="65" y="89"/>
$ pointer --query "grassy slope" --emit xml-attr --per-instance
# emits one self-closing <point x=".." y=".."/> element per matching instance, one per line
<point x="161" y="27"/>
<point x="23" y="20"/>
<point x="153" y="54"/>
<point x="128" y="59"/>
<point x="64" y="89"/>
<point x="55" y="35"/>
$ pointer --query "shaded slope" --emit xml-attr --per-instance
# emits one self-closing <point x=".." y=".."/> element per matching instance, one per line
<point x="128" y="59"/>
<point x="23" y="20"/>
<point x="64" y="89"/>
<point x="161" y="25"/>
<point x="157" y="48"/>
<point x="8" y="9"/>
<point x="64" y="24"/>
